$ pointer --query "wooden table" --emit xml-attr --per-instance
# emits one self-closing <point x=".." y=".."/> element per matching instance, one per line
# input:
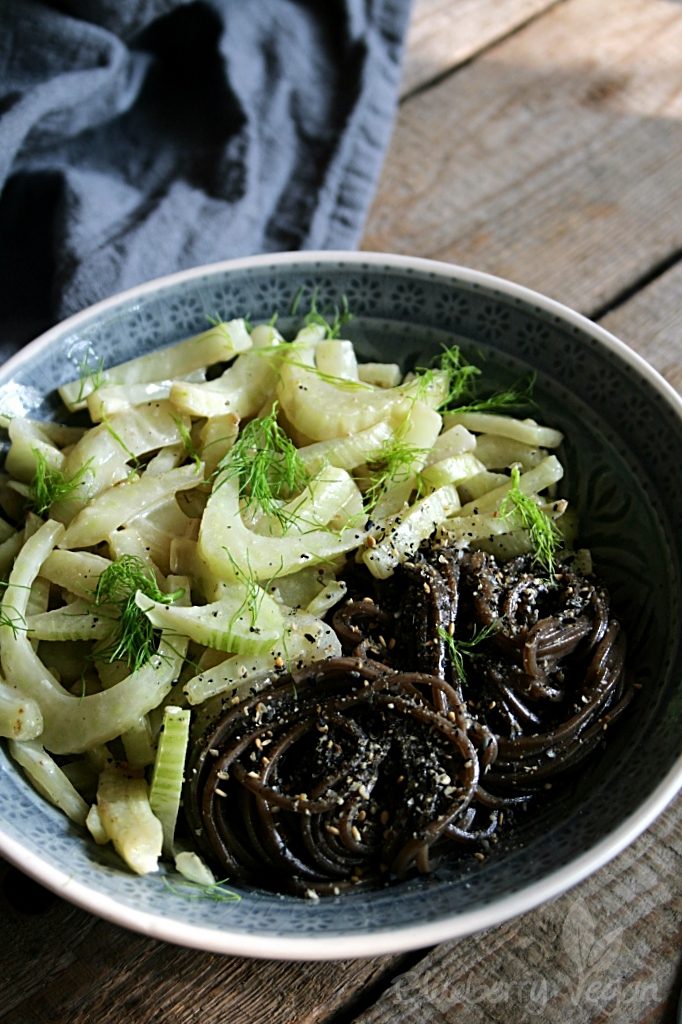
<point x="541" y="141"/>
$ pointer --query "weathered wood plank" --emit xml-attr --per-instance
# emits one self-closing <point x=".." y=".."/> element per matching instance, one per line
<point x="548" y="161"/>
<point x="61" y="964"/>
<point x="606" y="951"/>
<point x="443" y="34"/>
<point x="651" y="323"/>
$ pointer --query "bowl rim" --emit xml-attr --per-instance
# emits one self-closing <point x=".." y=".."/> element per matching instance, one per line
<point x="346" y="945"/>
<point x="439" y="268"/>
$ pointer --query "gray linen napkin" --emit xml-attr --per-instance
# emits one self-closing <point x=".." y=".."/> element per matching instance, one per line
<point x="139" y="137"/>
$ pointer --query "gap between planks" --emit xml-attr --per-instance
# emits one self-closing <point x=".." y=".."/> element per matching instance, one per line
<point x="602" y="951"/>
<point x="444" y="36"/>
<point x="546" y="162"/>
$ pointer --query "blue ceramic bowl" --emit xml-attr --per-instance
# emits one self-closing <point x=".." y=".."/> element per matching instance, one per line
<point x="623" y="426"/>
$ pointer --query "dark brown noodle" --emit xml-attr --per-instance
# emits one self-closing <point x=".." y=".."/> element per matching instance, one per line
<point x="340" y="774"/>
<point x="547" y="681"/>
<point x="356" y="769"/>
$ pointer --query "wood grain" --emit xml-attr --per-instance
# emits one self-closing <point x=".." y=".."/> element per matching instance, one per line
<point x="606" y="951"/>
<point x="59" y="964"/>
<point x="651" y="323"/>
<point x="443" y="33"/>
<point x="548" y="161"/>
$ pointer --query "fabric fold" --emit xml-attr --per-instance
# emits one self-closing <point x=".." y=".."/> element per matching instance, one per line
<point x="140" y="137"/>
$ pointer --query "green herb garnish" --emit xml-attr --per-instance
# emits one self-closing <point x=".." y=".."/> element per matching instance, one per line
<point x="94" y="374"/>
<point x="463" y="380"/>
<point x="15" y="624"/>
<point x="266" y="464"/>
<point x="332" y="327"/>
<point x="393" y="464"/>
<point x="461" y="376"/>
<point x="132" y="457"/>
<point x="516" y="395"/>
<point x="135" y="641"/>
<point x="187" y="442"/>
<point x="50" y="485"/>
<point x="545" y="535"/>
<point x="296" y="301"/>
<point x="255" y="591"/>
<point x="220" y="324"/>
<point x="461" y="649"/>
<point x="196" y="891"/>
<point x="345" y="383"/>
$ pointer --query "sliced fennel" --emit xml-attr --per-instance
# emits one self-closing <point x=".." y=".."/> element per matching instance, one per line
<point x="258" y="483"/>
<point x="49" y="779"/>
<point x="245" y="620"/>
<point x="127" y="818"/>
<point x="169" y="771"/>
<point x="20" y="716"/>
<point x="220" y="342"/>
<point x="306" y="638"/>
<point x="110" y="452"/>
<point x="230" y="549"/>
<point x="404" y="533"/>
<point x="122" y="504"/>
<point x="73" y="724"/>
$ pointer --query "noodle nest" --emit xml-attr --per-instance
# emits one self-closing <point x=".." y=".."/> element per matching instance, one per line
<point x="357" y="770"/>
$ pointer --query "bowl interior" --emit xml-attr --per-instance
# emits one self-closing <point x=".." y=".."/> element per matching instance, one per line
<point x="623" y="437"/>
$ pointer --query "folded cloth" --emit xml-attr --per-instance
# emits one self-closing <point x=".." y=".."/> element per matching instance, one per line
<point x="139" y="137"/>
